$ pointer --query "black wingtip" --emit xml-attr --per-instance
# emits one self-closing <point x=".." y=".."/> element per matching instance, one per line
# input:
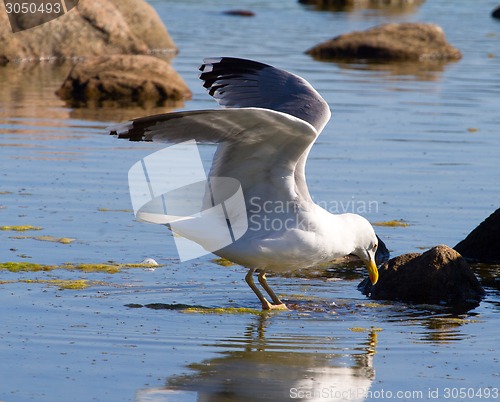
<point x="127" y="131"/>
<point x="215" y="68"/>
<point x="231" y="64"/>
<point x="209" y="61"/>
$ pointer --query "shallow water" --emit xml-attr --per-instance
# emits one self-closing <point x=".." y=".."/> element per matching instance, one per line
<point x="404" y="143"/>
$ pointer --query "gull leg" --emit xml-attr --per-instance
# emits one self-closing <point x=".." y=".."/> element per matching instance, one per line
<point x="249" y="280"/>
<point x="277" y="303"/>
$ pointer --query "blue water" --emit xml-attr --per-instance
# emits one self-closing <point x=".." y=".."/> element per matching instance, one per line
<point x="404" y="143"/>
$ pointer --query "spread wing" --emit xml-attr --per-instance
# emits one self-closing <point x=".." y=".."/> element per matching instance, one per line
<point x="270" y="121"/>
<point x="258" y="147"/>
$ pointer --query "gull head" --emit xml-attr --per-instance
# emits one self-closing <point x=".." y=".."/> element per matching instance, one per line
<point x="365" y="245"/>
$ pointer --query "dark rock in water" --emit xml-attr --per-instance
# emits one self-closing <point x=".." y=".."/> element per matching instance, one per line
<point x="240" y="13"/>
<point x="496" y="13"/>
<point x="393" y="42"/>
<point x="346" y="5"/>
<point x="438" y="276"/>
<point x="483" y="243"/>
<point x="123" y="79"/>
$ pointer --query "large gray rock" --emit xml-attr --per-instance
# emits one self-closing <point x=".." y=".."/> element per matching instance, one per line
<point x="483" y="243"/>
<point x="438" y="276"/>
<point x="399" y="42"/>
<point x="94" y="27"/>
<point x="123" y="79"/>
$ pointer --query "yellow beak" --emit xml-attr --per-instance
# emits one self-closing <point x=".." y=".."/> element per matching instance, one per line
<point x="372" y="271"/>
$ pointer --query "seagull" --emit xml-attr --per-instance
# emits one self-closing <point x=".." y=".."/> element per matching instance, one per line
<point x="268" y="122"/>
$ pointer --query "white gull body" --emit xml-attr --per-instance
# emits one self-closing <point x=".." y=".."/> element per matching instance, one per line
<point x="269" y="121"/>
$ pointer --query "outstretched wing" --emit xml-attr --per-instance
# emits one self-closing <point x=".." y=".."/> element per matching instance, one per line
<point x="270" y="122"/>
<point x="245" y="83"/>
<point x="258" y="147"/>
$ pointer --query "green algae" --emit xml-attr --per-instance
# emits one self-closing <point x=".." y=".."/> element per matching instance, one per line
<point x="62" y="240"/>
<point x="76" y="284"/>
<point x="52" y="239"/>
<point x="63" y="284"/>
<point x="223" y="262"/>
<point x="196" y="309"/>
<point x="25" y="267"/>
<point x="20" y="228"/>
<point x="108" y="268"/>
<point x="88" y="267"/>
<point x="394" y="223"/>
<point x="140" y="265"/>
<point x="362" y="329"/>
<point x="221" y="310"/>
<point x="113" y="210"/>
<point x="105" y="268"/>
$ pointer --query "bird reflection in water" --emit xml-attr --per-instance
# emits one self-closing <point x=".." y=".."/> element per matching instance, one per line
<point x="289" y="367"/>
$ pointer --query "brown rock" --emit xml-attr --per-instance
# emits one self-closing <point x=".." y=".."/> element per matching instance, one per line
<point x="95" y="27"/>
<point x="145" y="23"/>
<point x="438" y="276"/>
<point x="124" y="79"/>
<point x="483" y="243"/>
<point x="400" y="42"/>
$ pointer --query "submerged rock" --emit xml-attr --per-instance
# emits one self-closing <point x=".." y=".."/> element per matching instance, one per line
<point x="399" y="42"/>
<point x="94" y="27"/>
<point x="240" y="13"/>
<point x="483" y="243"/>
<point x="124" y="79"/>
<point x="438" y="276"/>
<point x="342" y="5"/>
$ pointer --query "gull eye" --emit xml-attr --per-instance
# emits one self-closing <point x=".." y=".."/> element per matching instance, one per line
<point x="374" y="247"/>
